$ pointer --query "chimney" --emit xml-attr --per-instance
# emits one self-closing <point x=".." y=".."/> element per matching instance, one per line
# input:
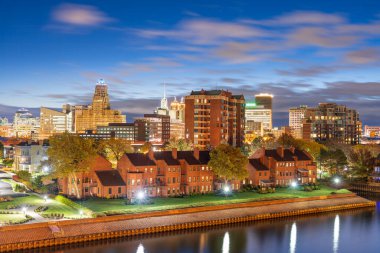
<point x="174" y="153"/>
<point x="280" y="151"/>
<point x="196" y="153"/>
<point x="151" y="154"/>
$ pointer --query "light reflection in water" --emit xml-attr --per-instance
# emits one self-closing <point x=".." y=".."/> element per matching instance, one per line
<point x="226" y="243"/>
<point x="140" y="248"/>
<point x="336" y="234"/>
<point x="293" y="238"/>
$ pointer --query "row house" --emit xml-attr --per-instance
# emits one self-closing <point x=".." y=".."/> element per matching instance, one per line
<point x="101" y="180"/>
<point x="281" y="166"/>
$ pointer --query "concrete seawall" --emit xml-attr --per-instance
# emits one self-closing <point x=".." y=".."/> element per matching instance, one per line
<point x="74" y="231"/>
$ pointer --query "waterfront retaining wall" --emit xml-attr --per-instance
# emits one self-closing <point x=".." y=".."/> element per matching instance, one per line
<point x="47" y="234"/>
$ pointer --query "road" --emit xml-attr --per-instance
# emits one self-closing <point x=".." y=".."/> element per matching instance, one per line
<point x="6" y="188"/>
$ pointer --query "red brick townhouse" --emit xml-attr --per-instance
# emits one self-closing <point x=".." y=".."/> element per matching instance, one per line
<point x="281" y="167"/>
<point x="166" y="173"/>
<point x="100" y="181"/>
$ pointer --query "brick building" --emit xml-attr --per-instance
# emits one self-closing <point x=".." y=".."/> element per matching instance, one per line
<point x="214" y="117"/>
<point x="284" y="166"/>
<point x="100" y="181"/>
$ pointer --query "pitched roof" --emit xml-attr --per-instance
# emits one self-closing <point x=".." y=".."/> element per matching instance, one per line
<point x="258" y="165"/>
<point x="167" y="157"/>
<point x="288" y="155"/>
<point x="188" y="156"/>
<point x="139" y="159"/>
<point x="110" y="178"/>
<point x="204" y="156"/>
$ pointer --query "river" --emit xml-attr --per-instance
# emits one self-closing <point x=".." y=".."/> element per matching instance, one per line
<point x="340" y="232"/>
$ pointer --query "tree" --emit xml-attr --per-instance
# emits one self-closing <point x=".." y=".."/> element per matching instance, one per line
<point x="24" y="175"/>
<point x="1" y="150"/>
<point x="287" y="141"/>
<point x="146" y="147"/>
<point x="114" y="149"/>
<point x="333" y="161"/>
<point x="179" y="144"/>
<point x="228" y="163"/>
<point x="362" y="162"/>
<point x="70" y="154"/>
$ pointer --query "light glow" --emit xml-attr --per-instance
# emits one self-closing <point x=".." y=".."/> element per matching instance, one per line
<point x="336" y="234"/>
<point x="226" y="243"/>
<point x="293" y="238"/>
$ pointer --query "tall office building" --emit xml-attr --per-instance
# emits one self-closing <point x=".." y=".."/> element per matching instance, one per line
<point x="99" y="113"/>
<point x="154" y="128"/>
<point x="296" y="116"/>
<point x="214" y="117"/>
<point x="54" y="122"/>
<point x="262" y="112"/>
<point x="264" y="100"/>
<point x="330" y="121"/>
<point x="25" y="125"/>
<point x="177" y="110"/>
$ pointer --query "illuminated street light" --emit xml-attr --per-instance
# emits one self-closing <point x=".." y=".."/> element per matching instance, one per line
<point x="24" y="210"/>
<point x="45" y="169"/>
<point x="140" y="195"/>
<point x="294" y="184"/>
<point x="226" y="189"/>
<point x="337" y="180"/>
<point x="81" y="213"/>
<point x="45" y="198"/>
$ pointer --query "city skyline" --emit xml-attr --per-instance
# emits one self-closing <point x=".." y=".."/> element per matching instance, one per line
<point x="302" y="53"/>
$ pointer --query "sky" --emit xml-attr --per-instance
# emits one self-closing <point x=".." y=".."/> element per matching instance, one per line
<point x="303" y="52"/>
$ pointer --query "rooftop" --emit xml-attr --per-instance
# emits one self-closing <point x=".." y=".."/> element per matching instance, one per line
<point x="110" y="178"/>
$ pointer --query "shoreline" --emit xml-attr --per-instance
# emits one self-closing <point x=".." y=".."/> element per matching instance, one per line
<point x="54" y="233"/>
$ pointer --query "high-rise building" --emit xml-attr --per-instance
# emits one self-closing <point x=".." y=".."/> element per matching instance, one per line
<point x="258" y="113"/>
<point x="25" y="125"/>
<point x="124" y="131"/>
<point x="296" y="116"/>
<point x="154" y="128"/>
<point x="54" y="122"/>
<point x="214" y="117"/>
<point x="177" y="110"/>
<point x="265" y="100"/>
<point x="330" y="121"/>
<point x="99" y="113"/>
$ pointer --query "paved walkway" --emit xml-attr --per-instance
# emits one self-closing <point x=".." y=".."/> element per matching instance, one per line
<point x="87" y="226"/>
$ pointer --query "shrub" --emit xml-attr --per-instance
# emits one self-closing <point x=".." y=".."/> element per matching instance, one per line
<point x="41" y="209"/>
<point x="19" y="188"/>
<point x="12" y="206"/>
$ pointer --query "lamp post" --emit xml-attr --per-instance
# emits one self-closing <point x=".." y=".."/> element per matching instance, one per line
<point x="24" y="210"/>
<point x="45" y="198"/>
<point x="226" y="190"/>
<point x="140" y="196"/>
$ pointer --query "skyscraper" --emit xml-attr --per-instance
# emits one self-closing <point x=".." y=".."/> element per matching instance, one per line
<point x="99" y="113"/>
<point x="54" y="122"/>
<point x="330" y="121"/>
<point x="260" y="110"/>
<point x="25" y="125"/>
<point x="214" y="117"/>
<point x="296" y="116"/>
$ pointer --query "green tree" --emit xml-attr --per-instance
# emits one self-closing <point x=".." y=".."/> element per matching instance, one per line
<point x="146" y="147"/>
<point x="70" y="154"/>
<point x="114" y="149"/>
<point x="179" y="144"/>
<point x="287" y="141"/>
<point x="362" y="162"/>
<point x="228" y="163"/>
<point x="1" y="150"/>
<point x="333" y="161"/>
<point x="24" y="175"/>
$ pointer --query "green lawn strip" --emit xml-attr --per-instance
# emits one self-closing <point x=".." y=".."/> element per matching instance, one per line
<point x="11" y="217"/>
<point x="115" y="206"/>
<point x="33" y="201"/>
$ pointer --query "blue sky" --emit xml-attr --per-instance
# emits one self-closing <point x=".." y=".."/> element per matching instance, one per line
<point x="53" y="52"/>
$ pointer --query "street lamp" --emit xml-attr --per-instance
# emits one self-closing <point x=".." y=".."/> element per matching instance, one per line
<point x="81" y="213"/>
<point x="226" y="190"/>
<point x="294" y="184"/>
<point x="140" y="195"/>
<point x="45" y="198"/>
<point x="24" y="210"/>
<point x="337" y="180"/>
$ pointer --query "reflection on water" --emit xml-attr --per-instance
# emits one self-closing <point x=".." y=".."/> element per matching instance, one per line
<point x="226" y="243"/>
<point x="336" y="234"/>
<point x="344" y="232"/>
<point x="140" y="248"/>
<point x="293" y="238"/>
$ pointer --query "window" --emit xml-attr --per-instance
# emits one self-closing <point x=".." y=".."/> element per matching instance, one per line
<point x="110" y="190"/>
<point x="119" y="190"/>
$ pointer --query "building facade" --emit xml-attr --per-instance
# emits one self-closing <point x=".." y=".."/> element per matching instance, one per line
<point x="296" y="116"/>
<point x="99" y="113"/>
<point x="260" y="110"/>
<point x="214" y="117"/>
<point x="25" y="125"/>
<point x="330" y="121"/>
<point x="372" y="131"/>
<point x="29" y="155"/>
<point x="54" y="122"/>
<point x="124" y="131"/>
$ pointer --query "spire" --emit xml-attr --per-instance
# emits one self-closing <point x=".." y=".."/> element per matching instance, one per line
<point x="164" y="101"/>
<point x="164" y="90"/>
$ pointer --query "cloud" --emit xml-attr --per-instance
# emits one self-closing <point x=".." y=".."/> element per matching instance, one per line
<point x="310" y="71"/>
<point x="79" y="15"/>
<point x="206" y="31"/>
<point x="363" y="56"/>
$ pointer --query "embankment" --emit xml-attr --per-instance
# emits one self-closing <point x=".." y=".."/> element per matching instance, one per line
<point x="74" y="231"/>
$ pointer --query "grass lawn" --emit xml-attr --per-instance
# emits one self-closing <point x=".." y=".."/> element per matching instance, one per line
<point x="32" y="202"/>
<point x="118" y="205"/>
<point x="11" y="217"/>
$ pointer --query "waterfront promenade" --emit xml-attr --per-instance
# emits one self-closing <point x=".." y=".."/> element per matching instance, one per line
<point x="72" y="231"/>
